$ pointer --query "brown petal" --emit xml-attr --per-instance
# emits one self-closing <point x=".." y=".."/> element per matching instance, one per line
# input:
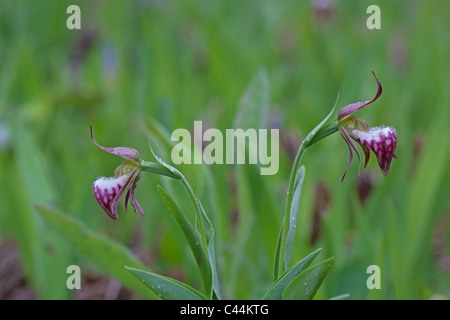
<point x="351" y="146"/>
<point x="124" y="152"/>
<point x="134" y="202"/>
<point x="349" y="109"/>
<point x="119" y="194"/>
<point x="366" y="155"/>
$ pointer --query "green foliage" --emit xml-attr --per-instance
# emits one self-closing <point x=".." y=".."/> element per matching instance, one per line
<point x="200" y="238"/>
<point x="285" y="240"/>
<point x="140" y="68"/>
<point x="275" y="292"/>
<point x="109" y="256"/>
<point x="166" y="288"/>
<point x="192" y="237"/>
<point x="306" y="284"/>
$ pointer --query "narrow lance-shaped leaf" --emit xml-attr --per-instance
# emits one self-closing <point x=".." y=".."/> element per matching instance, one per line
<point x="206" y="187"/>
<point x="172" y="172"/>
<point x="307" y="283"/>
<point x="203" y="225"/>
<point x="284" y="243"/>
<point x="165" y="287"/>
<point x="109" y="256"/>
<point x="293" y="214"/>
<point x="192" y="237"/>
<point x="317" y="131"/>
<point x="254" y="104"/>
<point x="32" y="183"/>
<point x="190" y="192"/>
<point x="275" y="292"/>
<point x="252" y="112"/>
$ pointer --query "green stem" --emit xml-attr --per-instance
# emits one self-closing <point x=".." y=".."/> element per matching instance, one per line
<point x="310" y="139"/>
<point x="198" y="213"/>
<point x="175" y="174"/>
<point x="281" y="260"/>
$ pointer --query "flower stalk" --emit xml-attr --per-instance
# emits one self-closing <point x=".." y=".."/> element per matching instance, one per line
<point x="381" y="140"/>
<point x="284" y="244"/>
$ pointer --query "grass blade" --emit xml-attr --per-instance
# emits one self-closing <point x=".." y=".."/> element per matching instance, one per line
<point x="36" y="186"/>
<point x="254" y="104"/>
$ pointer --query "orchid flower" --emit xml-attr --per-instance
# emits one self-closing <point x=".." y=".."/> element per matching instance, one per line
<point x="381" y="140"/>
<point x="109" y="191"/>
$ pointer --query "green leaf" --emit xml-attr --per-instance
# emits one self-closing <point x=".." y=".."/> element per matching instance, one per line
<point x="34" y="184"/>
<point x="253" y="194"/>
<point x="192" y="236"/>
<point x="292" y="224"/>
<point x="284" y="243"/>
<point x="306" y="284"/>
<point x="323" y="132"/>
<point x="254" y="104"/>
<point x="109" y="256"/>
<point x="203" y="225"/>
<point x="275" y="292"/>
<point x="254" y="230"/>
<point x="319" y="130"/>
<point x="170" y="171"/>
<point x="166" y="288"/>
<point x="293" y="214"/>
<point x="206" y="187"/>
<point x="433" y="161"/>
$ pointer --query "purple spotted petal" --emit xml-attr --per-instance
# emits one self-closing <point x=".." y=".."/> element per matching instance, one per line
<point x="349" y="109"/>
<point x="109" y="191"/>
<point x="124" y="152"/>
<point x="382" y="141"/>
<point x="106" y="190"/>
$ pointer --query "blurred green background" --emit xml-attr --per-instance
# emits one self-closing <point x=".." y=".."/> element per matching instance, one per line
<point x="180" y="61"/>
